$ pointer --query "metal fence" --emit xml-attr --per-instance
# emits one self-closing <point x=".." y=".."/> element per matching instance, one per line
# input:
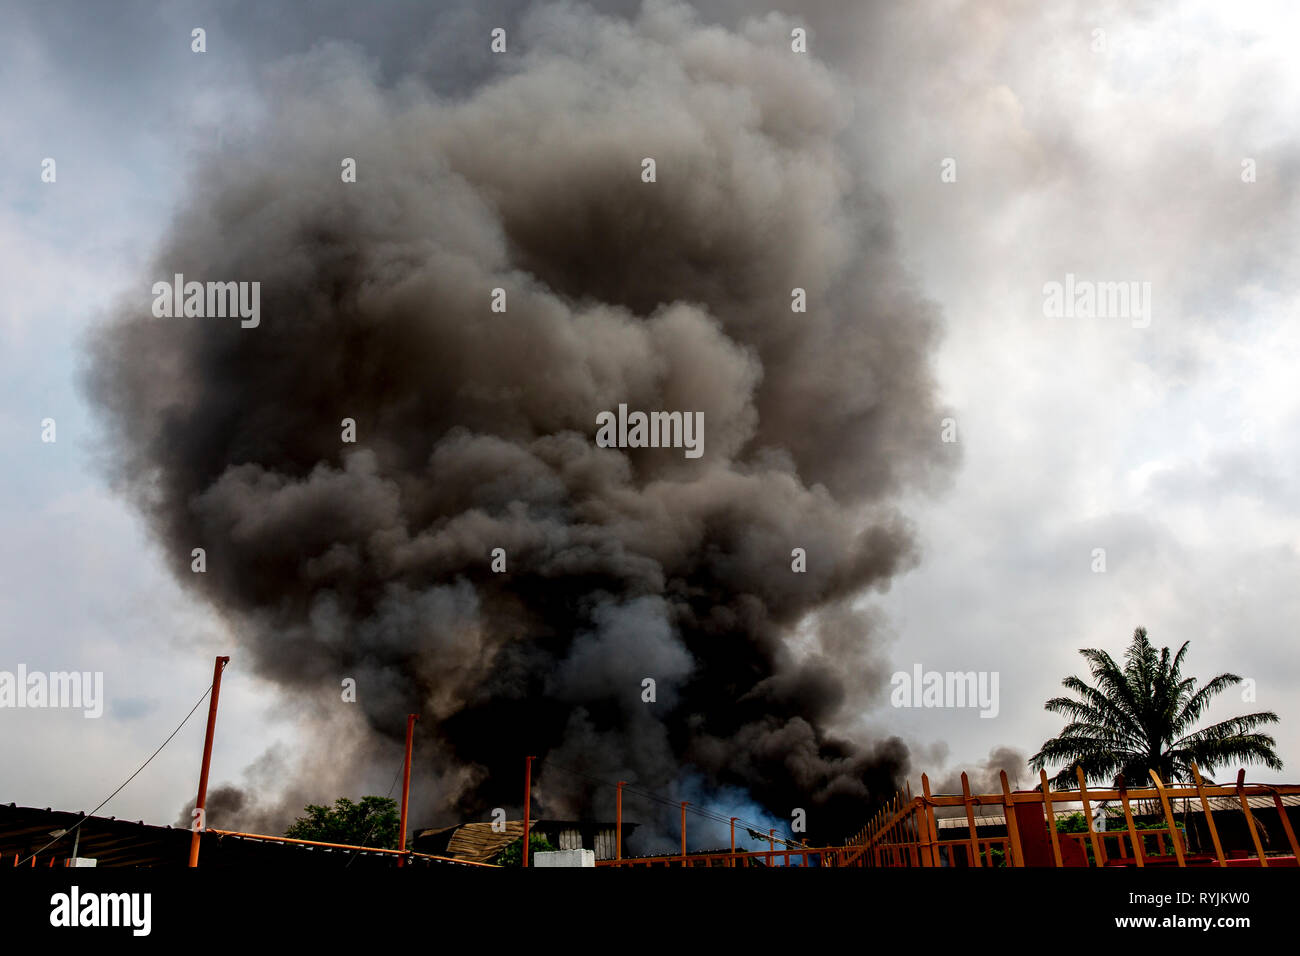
<point x="906" y="832"/>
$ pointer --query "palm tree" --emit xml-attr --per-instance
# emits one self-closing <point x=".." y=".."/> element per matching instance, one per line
<point x="1140" y="717"/>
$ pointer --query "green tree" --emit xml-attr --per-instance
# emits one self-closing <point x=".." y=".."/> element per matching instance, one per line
<point x="372" y="822"/>
<point x="510" y="856"/>
<point x="1141" y="716"/>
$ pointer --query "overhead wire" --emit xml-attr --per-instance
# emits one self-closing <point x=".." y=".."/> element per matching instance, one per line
<point x="375" y="822"/>
<point x="128" y="779"/>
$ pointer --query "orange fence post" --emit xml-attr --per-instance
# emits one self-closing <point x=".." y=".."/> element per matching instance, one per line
<point x="733" y="840"/>
<point x="1139" y="851"/>
<point x="904" y="848"/>
<point x="1098" y="857"/>
<point x="892" y="837"/>
<point x="931" y="825"/>
<point x="685" y="804"/>
<point x="882" y="834"/>
<point x="1169" y="818"/>
<point x="1286" y="824"/>
<point x="970" y="821"/>
<point x="1250" y="818"/>
<point x="1009" y="812"/>
<point x="878" y="838"/>
<point x="1209" y="817"/>
<point x="910" y="836"/>
<point x="1051" y="817"/>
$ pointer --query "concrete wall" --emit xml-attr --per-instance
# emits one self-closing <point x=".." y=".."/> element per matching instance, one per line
<point x="564" y="858"/>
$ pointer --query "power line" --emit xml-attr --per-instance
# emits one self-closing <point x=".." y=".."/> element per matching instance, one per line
<point x="128" y="779"/>
<point x="375" y="822"/>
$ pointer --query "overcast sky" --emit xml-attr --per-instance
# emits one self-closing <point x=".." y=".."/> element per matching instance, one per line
<point x="1114" y="156"/>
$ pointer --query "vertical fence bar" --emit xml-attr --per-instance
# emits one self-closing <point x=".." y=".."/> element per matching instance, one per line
<point x="1138" y="848"/>
<point x="931" y="823"/>
<point x="900" y="832"/>
<point x="1286" y="824"/>
<point x="890" y="825"/>
<point x="1169" y="818"/>
<point x="974" y="859"/>
<point x="1009" y="814"/>
<point x="914" y="835"/>
<point x="1209" y="817"/>
<point x="921" y="825"/>
<point x="914" y="827"/>
<point x="886" y="835"/>
<point x="1250" y="818"/>
<point x="886" y="852"/>
<point x="911" y="826"/>
<point x="1098" y="859"/>
<point x="1051" y="818"/>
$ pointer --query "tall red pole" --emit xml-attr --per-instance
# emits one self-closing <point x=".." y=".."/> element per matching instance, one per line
<point x="406" y="786"/>
<point x="685" y="804"/>
<point x="528" y="803"/>
<point x="771" y="844"/>
<point x="733" y="840"/>
<point x="199" y="823"/>
<point x="618" y="821"/>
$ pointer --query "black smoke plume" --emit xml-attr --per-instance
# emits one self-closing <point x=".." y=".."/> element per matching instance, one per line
<point x="475" y="428"/>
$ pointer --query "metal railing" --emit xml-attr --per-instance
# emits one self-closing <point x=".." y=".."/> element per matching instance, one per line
<point x="789" y="856"/>
<point x="906" y="833"/>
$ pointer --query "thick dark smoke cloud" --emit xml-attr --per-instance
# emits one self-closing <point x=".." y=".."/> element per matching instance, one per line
<point x="986" y="777"/>
<point x="475" y="429"/>
<point x="223" y="806"/>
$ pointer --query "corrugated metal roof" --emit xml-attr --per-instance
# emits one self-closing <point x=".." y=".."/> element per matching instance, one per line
<point x="113" y="842"/>
<point x="476" y="842"/>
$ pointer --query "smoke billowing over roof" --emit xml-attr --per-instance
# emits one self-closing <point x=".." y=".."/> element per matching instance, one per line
<point x="474" y="428"/>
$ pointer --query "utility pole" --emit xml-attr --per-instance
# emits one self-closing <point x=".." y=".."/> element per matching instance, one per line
<point x="406" y="786"/>
<point x="199" y="824"/>
<point x="528" y="800"/>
